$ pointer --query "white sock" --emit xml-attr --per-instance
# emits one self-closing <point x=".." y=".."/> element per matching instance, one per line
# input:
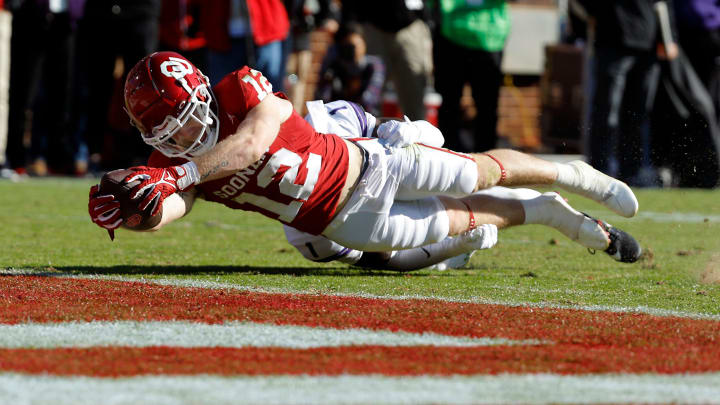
<point x="580" y="178"/>
<point x="567" y="175"/>
<point x="571" y="177"/>
<point x="544" y="211"/>
<point x="551" y="210"/>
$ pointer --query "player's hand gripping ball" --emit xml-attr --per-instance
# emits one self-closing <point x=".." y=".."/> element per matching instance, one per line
<point x="104" y="210"/>
<point x="133" y="217"/>
<point x="153" y="185"/>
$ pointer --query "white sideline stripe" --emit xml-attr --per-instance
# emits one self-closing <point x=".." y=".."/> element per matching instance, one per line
<point x="230" y="334"/>
<point x="21" y="389"/>
<point x="228" y="286"/>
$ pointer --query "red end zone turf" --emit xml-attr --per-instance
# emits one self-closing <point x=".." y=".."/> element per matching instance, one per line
<point x="578" y="341"/>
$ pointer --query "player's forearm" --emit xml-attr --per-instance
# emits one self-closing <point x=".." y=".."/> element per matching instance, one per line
<point x="228" y="157"/>
<point x="421" y="257"/>
<point x="175" y="207"/>
<point x="412" y="259"/>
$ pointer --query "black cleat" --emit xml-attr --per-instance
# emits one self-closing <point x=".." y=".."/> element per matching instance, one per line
<point x="623" y="247"/>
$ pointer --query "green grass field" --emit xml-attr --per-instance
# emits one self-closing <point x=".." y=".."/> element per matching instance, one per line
<point x="45" y="227"/>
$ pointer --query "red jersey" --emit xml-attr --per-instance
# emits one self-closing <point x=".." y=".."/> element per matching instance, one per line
<point x="297" y="181"/>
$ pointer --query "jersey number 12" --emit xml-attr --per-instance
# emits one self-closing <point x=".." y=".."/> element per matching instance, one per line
<point x="284" y="157"/>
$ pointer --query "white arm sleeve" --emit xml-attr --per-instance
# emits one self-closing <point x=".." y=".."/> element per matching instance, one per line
<point x="319" y="248"/>
<point x="458" y="248"/>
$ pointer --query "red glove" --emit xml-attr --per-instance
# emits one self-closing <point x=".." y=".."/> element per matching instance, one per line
<point x="161" y="182"/>
<point x="104" y="210"/>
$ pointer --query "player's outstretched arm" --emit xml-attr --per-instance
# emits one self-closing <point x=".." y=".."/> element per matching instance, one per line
<point x="247" y="145"/>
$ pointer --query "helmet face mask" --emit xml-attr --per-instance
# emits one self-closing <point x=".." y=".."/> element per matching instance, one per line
<point x="197" y="113"/>
<point x="169" y="100"/>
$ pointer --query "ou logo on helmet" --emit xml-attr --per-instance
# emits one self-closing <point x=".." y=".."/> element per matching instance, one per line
<point x="177" y="68"/>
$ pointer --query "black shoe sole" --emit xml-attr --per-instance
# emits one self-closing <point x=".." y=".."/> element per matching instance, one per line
<point x="623" y="247"/>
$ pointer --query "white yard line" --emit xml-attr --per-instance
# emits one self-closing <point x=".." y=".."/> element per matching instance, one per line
<point x="230" y="334"/>
<point x="502" y="389"/>
<point x="230" y="286"/>
<point x="660" y="217"/>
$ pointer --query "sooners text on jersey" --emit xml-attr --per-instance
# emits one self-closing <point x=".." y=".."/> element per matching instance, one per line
<point x="297" y="181"/>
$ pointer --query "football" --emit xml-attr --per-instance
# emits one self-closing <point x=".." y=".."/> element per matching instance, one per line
<point x="133" y="217"/>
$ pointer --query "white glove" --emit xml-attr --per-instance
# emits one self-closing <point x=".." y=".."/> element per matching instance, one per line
<point x="483" y="237"/>
<point x="397" y="134"/>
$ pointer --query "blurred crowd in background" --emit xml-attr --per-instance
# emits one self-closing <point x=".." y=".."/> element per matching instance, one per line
<point x="649" y="77"/>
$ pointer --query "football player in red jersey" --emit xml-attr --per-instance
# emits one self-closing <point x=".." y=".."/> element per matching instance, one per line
<point x="241" y="145"/>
